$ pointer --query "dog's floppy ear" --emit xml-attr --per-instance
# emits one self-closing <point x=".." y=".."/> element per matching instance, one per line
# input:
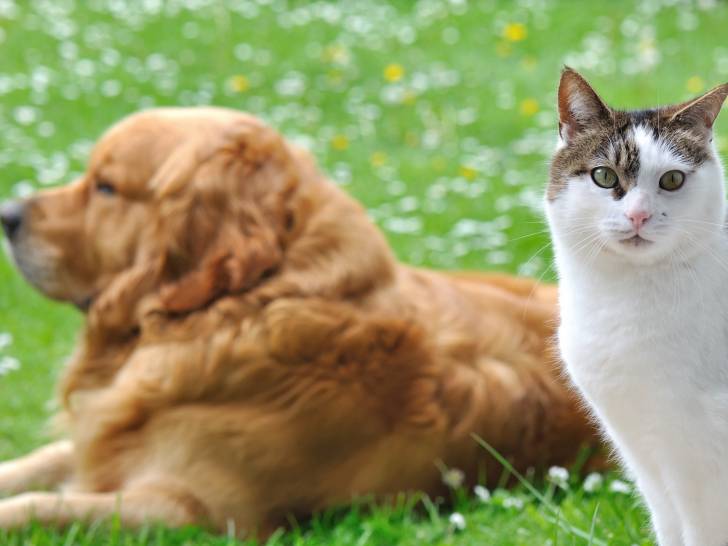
<point x="227" y="215"/>
<point x="235" y="261"/>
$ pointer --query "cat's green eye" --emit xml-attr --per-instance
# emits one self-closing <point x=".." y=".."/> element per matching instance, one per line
<point x="672" y="180"/>
<point x="604" y="177"/>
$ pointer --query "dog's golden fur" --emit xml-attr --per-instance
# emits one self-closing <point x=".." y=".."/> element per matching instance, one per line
<point x="253" y="350"/>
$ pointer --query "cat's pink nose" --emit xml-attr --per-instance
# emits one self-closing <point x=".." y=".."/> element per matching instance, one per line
<point x="638" y="218"/>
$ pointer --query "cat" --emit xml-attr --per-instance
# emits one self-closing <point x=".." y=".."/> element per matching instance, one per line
<point x="637" y="214"/>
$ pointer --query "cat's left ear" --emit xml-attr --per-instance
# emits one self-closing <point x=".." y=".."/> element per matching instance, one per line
<point x="579" y="105"/>
<point x="700" y="112"/>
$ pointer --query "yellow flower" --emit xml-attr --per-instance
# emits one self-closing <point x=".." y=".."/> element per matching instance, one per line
<point x="528" y="107"/>
<point x="515" y="32"/>
<point x="339" y="142"/>
<point x="695" y="84"/>
<point x="393" y="72"/>
<point x="468" y="173"/>
<point x="239" y="83"/>
<point x="378" y="159"/>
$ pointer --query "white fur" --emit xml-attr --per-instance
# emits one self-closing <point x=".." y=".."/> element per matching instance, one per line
<point x="644" y="334"/>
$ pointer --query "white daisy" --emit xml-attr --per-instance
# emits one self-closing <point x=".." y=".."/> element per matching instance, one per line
<point x="457" y="521"/>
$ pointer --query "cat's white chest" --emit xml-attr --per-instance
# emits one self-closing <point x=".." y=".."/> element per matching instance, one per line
<point x="652" y="363"/>
<point x="621" y="368"/>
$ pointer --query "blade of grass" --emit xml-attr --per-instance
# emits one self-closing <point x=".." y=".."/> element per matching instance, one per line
<point x="536" y="493"/>
<point x="593" y="525"/>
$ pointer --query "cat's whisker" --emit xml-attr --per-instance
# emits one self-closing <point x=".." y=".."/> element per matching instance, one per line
<point x="533" y="289"/>
<point x="706" y="248"/>
<point x="596" y="250"/>
<point x="529" y="235"/>
<point x="539" y="251"/>
<point x="703" y="222"/>
<point x="586" y="242"/>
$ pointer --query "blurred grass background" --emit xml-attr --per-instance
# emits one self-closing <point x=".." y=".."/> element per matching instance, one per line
<point x="438" y="115"/>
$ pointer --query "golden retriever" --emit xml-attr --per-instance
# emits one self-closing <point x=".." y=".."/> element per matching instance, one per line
<point x="252" y="350"/>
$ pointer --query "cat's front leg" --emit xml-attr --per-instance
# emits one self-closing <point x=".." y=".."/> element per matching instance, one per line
<point x="700" y="478"/>
<point x="664" y="516"/>
<point x="662" y="506"/>
<point x="44" y="468"/>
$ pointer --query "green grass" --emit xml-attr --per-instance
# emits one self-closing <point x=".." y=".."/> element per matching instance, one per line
<point x="438" y="115"/>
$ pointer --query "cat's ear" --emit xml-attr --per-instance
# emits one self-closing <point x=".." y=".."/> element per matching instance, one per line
<point x="579" y="105"/>
<point x="702" y="111"/>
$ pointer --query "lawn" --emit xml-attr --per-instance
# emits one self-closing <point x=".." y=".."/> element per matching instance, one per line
<point x="438" y="115"/>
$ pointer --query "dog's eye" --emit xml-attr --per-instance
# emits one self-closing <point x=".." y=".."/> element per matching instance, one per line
<point x="105" y="188"/>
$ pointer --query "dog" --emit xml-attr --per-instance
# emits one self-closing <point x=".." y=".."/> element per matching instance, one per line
<point x="252" y="350"/>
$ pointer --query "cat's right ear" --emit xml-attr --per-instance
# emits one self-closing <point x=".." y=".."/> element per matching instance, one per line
<point x="579" y="105"/>
<point x="702" y="111"/>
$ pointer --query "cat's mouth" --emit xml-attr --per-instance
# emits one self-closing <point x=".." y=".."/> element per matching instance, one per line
<point x="635" y="241"/>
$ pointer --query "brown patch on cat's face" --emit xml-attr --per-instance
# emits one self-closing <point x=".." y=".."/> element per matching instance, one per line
<point x="611" y="143"/>
<point x="597" y="135"/>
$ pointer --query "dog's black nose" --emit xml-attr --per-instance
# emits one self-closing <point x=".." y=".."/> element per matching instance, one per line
<point x="11" y="216"/>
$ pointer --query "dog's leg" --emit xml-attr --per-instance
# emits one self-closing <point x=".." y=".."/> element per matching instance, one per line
<point x="44" y="468"/>
<point x="133" y="508"/>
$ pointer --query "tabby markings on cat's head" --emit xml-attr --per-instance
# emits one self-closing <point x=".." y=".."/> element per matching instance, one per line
<point x="643" y="185"/>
